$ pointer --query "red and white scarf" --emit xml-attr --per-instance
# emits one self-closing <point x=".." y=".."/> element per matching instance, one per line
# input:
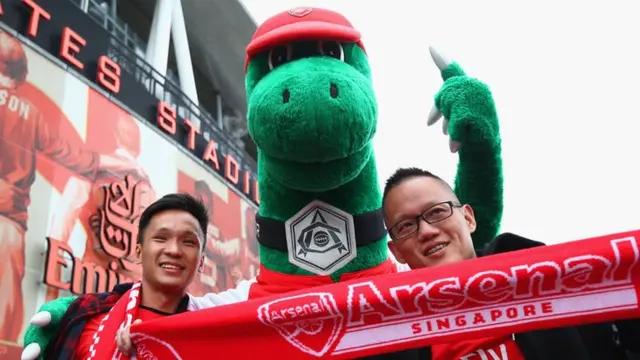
<point x="121" y="315"/>
<point x="580" y="282"/>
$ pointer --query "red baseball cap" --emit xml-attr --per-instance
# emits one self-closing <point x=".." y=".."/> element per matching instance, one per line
<point x="303" y="23"/>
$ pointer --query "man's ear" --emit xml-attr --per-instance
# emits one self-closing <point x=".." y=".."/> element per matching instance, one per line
<point x="201" y="266"/>
<point x="138" y="253"/>
<point x="469" y="217"/>
<point x="395" y="252"/>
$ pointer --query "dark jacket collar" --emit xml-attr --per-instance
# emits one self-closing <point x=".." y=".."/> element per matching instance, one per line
<point x="507" y="242"/>
<point x="121" y="289"/>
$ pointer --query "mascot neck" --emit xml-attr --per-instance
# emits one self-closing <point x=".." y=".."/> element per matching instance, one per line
<point x="359" y="196"/>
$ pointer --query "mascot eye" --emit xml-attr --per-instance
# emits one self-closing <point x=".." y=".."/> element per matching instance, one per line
<point x="279" y="55"/>
<point x="332" y="49"/>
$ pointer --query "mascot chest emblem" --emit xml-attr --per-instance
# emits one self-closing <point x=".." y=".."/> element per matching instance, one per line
<point x="321" y="238"/>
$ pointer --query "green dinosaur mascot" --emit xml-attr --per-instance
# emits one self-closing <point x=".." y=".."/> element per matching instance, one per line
<point x="313" y="114"/>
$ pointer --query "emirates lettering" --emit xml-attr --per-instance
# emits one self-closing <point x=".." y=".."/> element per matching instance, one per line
<point x="367" y="304"/>
<point x="14" y="104"/>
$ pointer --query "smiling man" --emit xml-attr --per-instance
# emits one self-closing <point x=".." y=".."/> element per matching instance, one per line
<point x="171" y="239"/>
<point x="413" y="196"/>
<point x="429" y="227"/>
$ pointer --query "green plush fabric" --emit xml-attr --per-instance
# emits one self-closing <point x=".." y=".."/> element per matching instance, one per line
<point x="44" y="335"/>
<point x="473" y="122"/>
<point x="315" y="146"/>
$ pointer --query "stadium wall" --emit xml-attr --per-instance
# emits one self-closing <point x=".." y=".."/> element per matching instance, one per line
<point x="84" y="148"/>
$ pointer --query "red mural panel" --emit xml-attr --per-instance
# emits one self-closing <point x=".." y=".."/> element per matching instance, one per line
<point x="224" y="256"/>
<point x="76" y="173"/>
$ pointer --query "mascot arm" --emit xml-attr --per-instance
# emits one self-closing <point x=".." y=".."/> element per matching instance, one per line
<point x="470" y="119"/>
<point x="43" y="327"/>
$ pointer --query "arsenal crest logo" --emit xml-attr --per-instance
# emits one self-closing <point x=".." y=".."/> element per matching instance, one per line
<point x="310" y="322"/>
<point x="321" y="238"/>
<point x="300" y="12"/>
<point x="154" y="348"/>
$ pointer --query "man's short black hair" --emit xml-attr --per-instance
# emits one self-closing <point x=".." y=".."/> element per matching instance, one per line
<point x="403" y="174"/>
<point x="178" y="201"/>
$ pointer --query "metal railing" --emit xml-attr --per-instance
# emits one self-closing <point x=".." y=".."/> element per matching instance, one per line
<point x="165" y="90"/>
<point x="127" y="49"/>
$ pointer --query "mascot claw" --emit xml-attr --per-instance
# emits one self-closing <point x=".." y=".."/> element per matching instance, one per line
<point x="31" y="352"/>
<point x="42" y="318"/>
<point x="453" y="146"/>
<point x="435" y="114"/>
<point x="441" y="61"/>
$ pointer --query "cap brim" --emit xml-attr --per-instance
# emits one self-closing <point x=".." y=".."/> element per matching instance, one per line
<point x="304" y="30"/>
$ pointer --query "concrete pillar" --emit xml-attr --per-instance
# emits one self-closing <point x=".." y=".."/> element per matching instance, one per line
<point x="84" y="5"/>
<point x="219" y="111"/>
<point x="158" y="46"/>
<point x="183" y="54"/>
<point x="114" y="9"/>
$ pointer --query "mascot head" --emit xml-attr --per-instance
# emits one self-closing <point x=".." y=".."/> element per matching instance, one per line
<point x="311" y="103"/>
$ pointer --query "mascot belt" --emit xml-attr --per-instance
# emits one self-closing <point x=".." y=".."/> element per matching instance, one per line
<point x="581" y="282"/>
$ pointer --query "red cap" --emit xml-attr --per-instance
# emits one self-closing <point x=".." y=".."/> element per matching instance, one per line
<point x="302" y="23"/>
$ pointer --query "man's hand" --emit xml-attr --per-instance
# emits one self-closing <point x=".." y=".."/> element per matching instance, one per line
<point x="123" y="339"/>
<point x="230" y="249"/>
<point x="43" y="328"/>
<point x="466" y="105"/>
<point x="235" y="272"/>
<point x="8" y="194"/>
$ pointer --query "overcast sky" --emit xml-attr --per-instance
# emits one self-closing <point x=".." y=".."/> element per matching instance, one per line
<point x="565" y="76"/>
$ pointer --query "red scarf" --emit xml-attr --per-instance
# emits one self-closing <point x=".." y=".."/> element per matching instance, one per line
<point x="121" y="315"/>
<point x="581" y="282"/>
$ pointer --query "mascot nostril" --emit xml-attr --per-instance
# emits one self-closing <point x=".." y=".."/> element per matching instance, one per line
<point x="333" y="90"/>
<point x="285" y="96"/>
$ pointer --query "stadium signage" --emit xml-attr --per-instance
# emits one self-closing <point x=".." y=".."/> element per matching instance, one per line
<point x="69" y="34"/>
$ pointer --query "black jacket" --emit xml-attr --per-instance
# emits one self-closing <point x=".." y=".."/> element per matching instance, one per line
<point x="605" y="341"/>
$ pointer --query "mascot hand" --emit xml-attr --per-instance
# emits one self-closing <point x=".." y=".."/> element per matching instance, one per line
<point x="43" y="328"/>
<point x="466" y="105"/>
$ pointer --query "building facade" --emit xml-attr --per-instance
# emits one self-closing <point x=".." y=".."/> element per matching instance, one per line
<point x="106" y="106"/>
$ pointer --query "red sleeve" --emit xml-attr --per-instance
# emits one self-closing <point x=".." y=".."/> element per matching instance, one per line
<point x="50" y="143"/>
<point x="86" y="338"/>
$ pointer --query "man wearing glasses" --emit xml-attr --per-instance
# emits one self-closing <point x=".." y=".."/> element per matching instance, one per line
<point x="429" y="226"/>
<point x="411" y="199"/>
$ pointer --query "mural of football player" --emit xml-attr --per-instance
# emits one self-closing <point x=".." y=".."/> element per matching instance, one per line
<point x="222" y="269"/>
<point x="24" y="132"/>
<point x="92" y="202"/>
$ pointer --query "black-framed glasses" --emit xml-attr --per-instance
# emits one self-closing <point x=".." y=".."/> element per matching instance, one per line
<point x="432" y="215"/>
